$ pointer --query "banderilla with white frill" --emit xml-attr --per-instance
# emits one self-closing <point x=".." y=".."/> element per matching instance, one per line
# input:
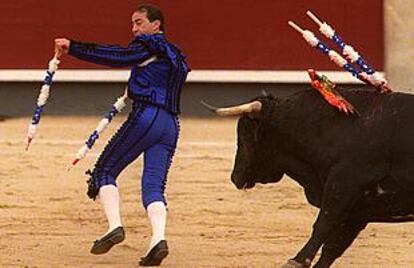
<point x="366" y="73"/>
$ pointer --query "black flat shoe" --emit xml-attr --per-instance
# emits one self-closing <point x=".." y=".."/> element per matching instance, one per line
<point x="104" y="244"/>
<point x="156" y="255"/>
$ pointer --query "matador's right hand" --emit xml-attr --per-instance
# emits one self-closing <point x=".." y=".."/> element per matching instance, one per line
<point x="61" y="46"/>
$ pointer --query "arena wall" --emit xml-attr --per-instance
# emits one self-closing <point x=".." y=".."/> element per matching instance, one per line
<point x="94" y="99"/>
<point x="215" y="34"/>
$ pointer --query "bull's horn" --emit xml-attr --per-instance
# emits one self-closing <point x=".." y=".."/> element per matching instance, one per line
<point x="265" y="93"/>
<point x="254" y="106"/>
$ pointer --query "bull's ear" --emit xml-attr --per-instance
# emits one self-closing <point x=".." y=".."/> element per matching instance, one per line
<point x="259" y="113"/>
<point x="266" y="108"/>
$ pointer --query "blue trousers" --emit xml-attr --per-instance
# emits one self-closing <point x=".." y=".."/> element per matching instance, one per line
<point x="150" y="130"/>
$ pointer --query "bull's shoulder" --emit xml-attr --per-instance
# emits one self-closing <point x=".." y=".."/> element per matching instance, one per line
<point x="302" y="171"/>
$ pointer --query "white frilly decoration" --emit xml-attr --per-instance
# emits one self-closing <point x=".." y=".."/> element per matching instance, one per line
<point x="337" y="58"/>
<point x="310" y="38"/>
<point x="54" y="64"/>
<point x="350" y="52"/>
<point x="377" y="79"/>
<point x="120" y="103"/>
<point x="44" y="95"/>
<point x="82" y="153"/>
<point x="326" y="29"/>
<point x="31" y="132"/>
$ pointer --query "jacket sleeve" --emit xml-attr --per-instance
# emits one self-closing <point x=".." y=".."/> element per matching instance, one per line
<point x="114" y="56"/>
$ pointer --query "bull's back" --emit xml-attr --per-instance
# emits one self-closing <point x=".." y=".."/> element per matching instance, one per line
<point x="392" y="117"/>
<point x="383" y="134"/>
<point x="390" y="114"/>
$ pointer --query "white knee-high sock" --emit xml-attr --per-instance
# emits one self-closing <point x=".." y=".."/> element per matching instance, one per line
<point x="157" y="214"/>
<point x="109" y="197"/>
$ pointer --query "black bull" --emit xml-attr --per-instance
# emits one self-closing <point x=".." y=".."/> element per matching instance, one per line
<point x="356" y="169"/>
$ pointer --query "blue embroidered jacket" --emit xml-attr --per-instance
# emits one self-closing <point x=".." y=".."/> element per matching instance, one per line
<point x="159" y="68"/>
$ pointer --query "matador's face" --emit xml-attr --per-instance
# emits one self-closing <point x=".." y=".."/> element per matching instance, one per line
<point x="142" y="25"/>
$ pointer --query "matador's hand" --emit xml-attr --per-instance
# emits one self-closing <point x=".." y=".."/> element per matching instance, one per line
<point x="61" y="46"/>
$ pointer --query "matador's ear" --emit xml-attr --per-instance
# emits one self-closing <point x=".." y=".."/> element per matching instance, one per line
<point x="156" y="25"/>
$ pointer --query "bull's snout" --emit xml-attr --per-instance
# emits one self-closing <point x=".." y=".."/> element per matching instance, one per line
<point x="235" y="181"/>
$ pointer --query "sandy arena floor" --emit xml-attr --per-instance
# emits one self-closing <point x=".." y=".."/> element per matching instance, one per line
<point x="46" y="219"/>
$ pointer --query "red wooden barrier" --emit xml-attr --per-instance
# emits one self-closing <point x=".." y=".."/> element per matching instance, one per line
<point x="215" y="34"/>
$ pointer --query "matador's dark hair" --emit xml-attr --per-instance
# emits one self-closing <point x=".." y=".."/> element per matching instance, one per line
<point x="153" y="13"/>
